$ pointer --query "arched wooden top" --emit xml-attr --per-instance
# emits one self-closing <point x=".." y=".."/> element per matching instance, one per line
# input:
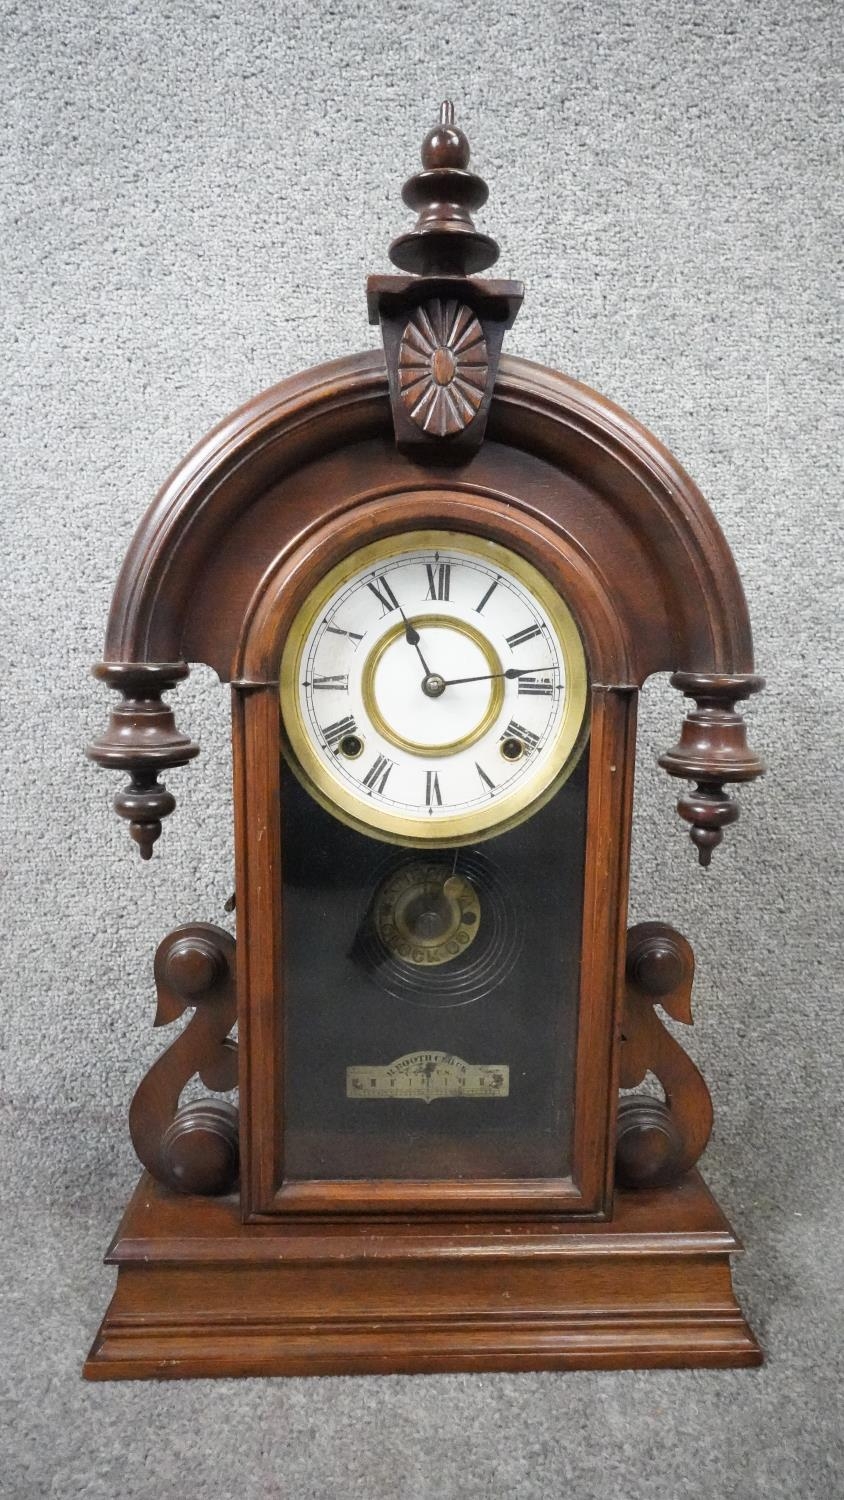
<point x="286" y="584"/>
<point x="308" y="451"/>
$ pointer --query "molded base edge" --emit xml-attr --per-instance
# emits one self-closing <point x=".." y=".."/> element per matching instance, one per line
<point x="201" y="1294"/>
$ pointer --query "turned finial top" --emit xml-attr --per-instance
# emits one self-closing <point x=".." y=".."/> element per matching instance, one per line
<point x="444" y="241"/>
<point x="445" y="145"/>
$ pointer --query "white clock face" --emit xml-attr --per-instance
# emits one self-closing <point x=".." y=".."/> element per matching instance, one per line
<point x="433" y="688"/>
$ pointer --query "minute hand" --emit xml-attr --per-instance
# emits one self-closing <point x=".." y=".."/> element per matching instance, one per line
<point x="511" y="673"/>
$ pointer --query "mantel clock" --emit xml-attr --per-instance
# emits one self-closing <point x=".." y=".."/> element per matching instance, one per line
<point x="435" y="577"/>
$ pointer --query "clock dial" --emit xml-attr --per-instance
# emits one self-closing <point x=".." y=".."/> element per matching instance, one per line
<point x="433" y="688"/>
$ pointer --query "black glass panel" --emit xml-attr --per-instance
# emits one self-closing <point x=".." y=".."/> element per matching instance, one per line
<point x="430" y="997"/>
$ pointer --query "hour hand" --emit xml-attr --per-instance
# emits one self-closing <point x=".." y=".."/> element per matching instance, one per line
<point x="411" y="635"/>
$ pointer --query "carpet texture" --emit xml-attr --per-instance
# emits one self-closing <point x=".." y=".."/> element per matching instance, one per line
<point x="192" y="196"/>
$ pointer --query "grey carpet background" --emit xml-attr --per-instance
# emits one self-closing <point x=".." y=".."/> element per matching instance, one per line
<point x="192" y="196"/>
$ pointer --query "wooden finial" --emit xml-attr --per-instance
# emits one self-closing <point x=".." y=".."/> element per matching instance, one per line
<point x="442" y="328"/>
<point x="142" y="739"/>
<point x="444" y="241"/>
<point x="712" y="750"/>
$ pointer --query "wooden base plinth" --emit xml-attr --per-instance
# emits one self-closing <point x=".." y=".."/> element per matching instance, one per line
<point x="200" y="1293"/>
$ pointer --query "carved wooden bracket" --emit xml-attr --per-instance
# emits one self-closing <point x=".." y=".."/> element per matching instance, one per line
<point x="142" y="739"/>
<point x="442" y="331"/>
<point x="193" y="1149"/>
<point x="711" y="751"/>
<point x="655" y="1142"/>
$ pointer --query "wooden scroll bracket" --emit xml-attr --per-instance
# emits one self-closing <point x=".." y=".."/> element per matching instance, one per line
<point x="657" y="1143"/>
<point x="193" y="1149"/>
<point x="142" y="739"/>
<point x="711" y="751"/>
<point x="442" y="331"/>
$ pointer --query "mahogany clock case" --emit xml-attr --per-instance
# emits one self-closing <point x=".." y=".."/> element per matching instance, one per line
<point x="545" y="1225"/>
<point x="307" y="469"/>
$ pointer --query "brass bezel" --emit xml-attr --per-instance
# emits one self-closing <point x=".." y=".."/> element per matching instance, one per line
<point x="478" y="823"/>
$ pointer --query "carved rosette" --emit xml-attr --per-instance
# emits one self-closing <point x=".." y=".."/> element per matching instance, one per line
<point x="443" y="366"/>
<point x="712" y="750"/>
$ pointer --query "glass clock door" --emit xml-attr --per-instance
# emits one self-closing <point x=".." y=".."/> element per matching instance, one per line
<point x="430" y="997"/>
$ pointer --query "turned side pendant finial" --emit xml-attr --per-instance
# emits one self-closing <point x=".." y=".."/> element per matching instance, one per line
<point x="712" y="750"/>
<point x="142" y="739"/>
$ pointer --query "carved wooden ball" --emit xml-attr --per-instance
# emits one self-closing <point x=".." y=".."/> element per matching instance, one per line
<point x="648" y="1144"/>
<point x="445" y="146"/>
<point x="199" y="1150"/>
<point x="657" y="966"/>
<point x="194" y="965"/>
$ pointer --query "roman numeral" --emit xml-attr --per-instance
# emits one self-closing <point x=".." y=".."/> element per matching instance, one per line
<point x="536" y="687"/>
<point x="517" y="731"/>
<point x="439" y="583"/>
<point x="334" y="733"/>
<point x="376" y="776"/>
<point x="352" y="634"/>
<point x="487" y="596"/>
<point x="340" y="682"/>
<point x="384" y="594"/>
<point x="490" y="785"/>
<point x="432" y="789"/>
<point x="528" y="634"/>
